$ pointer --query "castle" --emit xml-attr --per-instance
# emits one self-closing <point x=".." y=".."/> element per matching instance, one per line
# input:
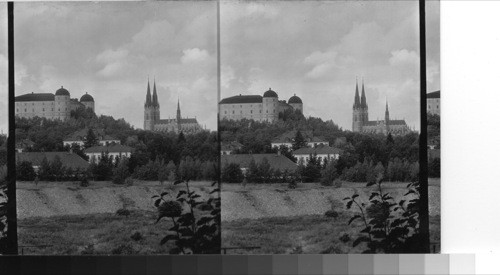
<point x="256" y="107"/>
<point x="360" y="122"/>
<point x="152" y="121"/>
<point x="50" y="106"/>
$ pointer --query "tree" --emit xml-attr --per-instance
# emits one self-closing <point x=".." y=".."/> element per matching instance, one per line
<point x="265" y="170"/>
<point x="163" y="173"/>
<point x="287" y="152"/>
<point x="329" y="174"/>
<point x="121" y="173"/>
<point x="25" y="171"/>
<point x="231" y="173"/>
<point x="253" y="173"/>
<point x="104" y="169"/>
<point x="299" y="141"/>
<point x="312" y="171"/>
<point x="90" y="139"/>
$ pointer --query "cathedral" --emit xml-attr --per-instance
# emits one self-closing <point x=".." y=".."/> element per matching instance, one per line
<point x="361" y="123"/>
<point x="152" y="121"/>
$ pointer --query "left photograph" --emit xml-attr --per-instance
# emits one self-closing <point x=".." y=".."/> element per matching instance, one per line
<point x="116" y="119"/>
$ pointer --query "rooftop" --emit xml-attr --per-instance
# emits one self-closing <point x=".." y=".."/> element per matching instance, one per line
<point x="276" y="161"/>
<point x="116" y="148"/>
<point x="68" y="159"/>
<point x="436" y="94"/>
<point x="35" y="97"/>
<point x="242" y="99"/>
<point x="322" y="149"/>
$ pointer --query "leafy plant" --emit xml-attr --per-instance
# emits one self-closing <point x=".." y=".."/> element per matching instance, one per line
<point x="389" y="227"/>
<point x="192" y="233"/>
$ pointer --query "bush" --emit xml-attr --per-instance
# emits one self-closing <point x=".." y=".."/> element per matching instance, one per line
<point x="137" y="236"/>
<point x="332" y="214"/>
<point x="123" y="249"/>
<point x="123" y="212"/>
<point x="337" y="183"/>
<point x="231" y="173"/>
<point x="129" y="181"/>
<point x="345" y="238"/>
<point x="25" y="171"/>
<point x="84" y="182"/>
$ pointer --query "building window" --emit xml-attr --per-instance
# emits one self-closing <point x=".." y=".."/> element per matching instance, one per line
<point x="59" y="109"/>
<point x="25" y="110"/>
<point x="241" y="112"/>
<point x="43" y="109"/>
<point x="52" y="109"/>
<point x="251" y="111"/>
<point x="267" y="112"/>
<point x="233" y="112"/>
<point x="225" y="112"/>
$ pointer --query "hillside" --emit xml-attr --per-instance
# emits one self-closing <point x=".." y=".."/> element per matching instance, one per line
<point x="255" y="201"/>
<point x="263" y="201"/>
<point x="67" y="198"/>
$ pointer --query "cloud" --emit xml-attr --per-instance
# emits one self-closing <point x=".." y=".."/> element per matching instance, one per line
<point x="194" y="55"/>
<point x="404" y="57"/>
<point x="323" y="62"/>
<point x="227" y="75"/>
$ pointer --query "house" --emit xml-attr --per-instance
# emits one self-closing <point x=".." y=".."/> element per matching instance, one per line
<point x="243" y="160"/>
<point x="68" y="159"/>
<point x="23" y="145"/>
<point x="114" y="151"/>
<point x="79" y="137"/>
<point x="227" y="148"/>
<point x="322" y="152"/>
<point x="288" y="138"/>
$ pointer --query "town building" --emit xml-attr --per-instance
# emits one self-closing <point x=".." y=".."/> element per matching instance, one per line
<point x="80" y="136"/>
<point x="362" y="124"/>
<point x="115" y="152"/>
<point x="256" y="107"/>
<point x="322" y="152"/>
<point x="228" y="148"/>
<point x="433" y="103"/>
<point x="68" y="159"/>
<point x="24" y="145"/>
<point x="277" y="162"/>
<point x="51" y="106"/>
<point x="288" y="138"/>
<point x="152" y="121"/>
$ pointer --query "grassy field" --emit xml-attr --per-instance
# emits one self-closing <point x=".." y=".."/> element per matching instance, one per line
<point x="94" y="234"/>
<point x="311" y="234"/>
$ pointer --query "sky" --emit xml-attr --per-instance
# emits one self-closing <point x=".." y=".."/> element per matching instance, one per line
<point x="311" y="48"/>
<point x="110" y="49"/>
<point x="317" y="49"/>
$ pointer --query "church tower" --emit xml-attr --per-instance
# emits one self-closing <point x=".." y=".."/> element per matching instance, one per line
<point x="178" y="117"/>
<point x="155" y="104"/>
<point x="148" y="111"/>
<point x="357" y="117"/>
<point x="387" y="119"/>
<point x="364" y="106"/>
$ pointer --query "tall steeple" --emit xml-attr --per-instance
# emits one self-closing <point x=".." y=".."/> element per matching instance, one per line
<point x="155" y="95"/>
<point x="178" y="110"/>
<point x="357" y="102"/>
<point x="386" y="110"/>
<point x="363" y="96"/>
<point x="148" y="96"/>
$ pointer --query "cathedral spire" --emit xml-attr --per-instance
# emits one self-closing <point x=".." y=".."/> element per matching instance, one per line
<point x="155" y="95"/>
<point x="363" y="96"/>
<point x="178" y="110"/>
<point x="356" y="96"/>
<point x="148" y="96"/>
<point x="386" y="110"/>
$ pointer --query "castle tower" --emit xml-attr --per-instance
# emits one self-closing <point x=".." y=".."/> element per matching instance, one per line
<point x="62" y="108"/>
<point x="357" y="117"/>
<point x="296" y="103"/>
<point x="155" y="104"/>
<point x="270" y="106"/>
<point x="364" y="105"/>
<point x="148" y="111"/>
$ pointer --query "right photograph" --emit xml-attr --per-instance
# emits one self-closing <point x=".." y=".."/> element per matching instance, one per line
<point x="319" y="124"/>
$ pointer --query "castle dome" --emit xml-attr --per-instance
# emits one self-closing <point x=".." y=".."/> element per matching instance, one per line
<point x="270" y="93"/>
<point x="86" y="98"/>
<point x="294" y="99"/>
<point x="62" y="91"/>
